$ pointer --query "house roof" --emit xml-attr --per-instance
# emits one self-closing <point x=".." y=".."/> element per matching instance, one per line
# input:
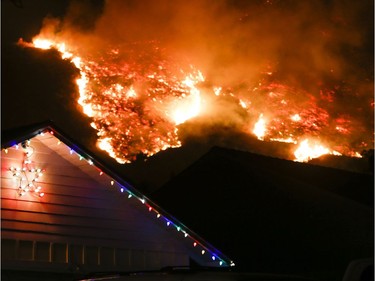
<point x="18" y="136"/>
<point x="274" y="215"/>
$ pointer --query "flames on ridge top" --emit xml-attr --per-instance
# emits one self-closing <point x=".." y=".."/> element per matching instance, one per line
<point x="137" y="96"/>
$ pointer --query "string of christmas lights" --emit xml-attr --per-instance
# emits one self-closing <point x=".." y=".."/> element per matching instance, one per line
<point x="27" y="175"/>
<point x="26" y="185"/>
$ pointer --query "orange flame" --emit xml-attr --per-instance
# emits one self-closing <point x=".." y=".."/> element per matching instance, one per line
<point x="150" y="129"/>
<point x="136" y="108"/>
<point x="307" y="151"/>
<point x="190" y="106"/>
<point x="260" y="128"/>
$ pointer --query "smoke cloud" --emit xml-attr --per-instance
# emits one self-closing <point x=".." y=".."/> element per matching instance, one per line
<point x="299" y="38"/>
<point x="233" y="40"/>
<point x="321" y="50"/>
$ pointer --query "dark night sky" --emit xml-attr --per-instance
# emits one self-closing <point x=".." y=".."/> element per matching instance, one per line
<point x="37" y="85"/>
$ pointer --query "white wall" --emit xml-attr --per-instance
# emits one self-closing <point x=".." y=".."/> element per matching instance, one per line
<point x="82" y="222"/>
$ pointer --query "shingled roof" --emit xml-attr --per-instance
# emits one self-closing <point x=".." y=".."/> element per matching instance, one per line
<point x="274" y="215"/>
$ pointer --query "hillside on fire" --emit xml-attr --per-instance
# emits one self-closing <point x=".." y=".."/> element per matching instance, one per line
<point x="133" y="78"/>
<point x="273" y="215"/>
<point x="250" y="120"/>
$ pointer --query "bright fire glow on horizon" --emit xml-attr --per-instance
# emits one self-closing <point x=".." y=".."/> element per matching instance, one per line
<point x="151" y="114"/>
<point x="260" y="128"/>
<point x="307" y="151"/>
<point x="136" y="107"/>
<point x="188" y="107"/>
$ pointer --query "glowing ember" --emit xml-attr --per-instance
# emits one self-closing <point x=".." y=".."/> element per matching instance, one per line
<point x="135" y="106"/>
<point x="355" y="154"/>
<point x="105" y="144"/>
<point x="260" y="128"/>
<point x="243" y="104"/>
<point x="137" y="96"/>
<point x="217" y="90"/>
<point x="43" y="44"/>
<point x="307" y="151"/>
<point x="189" y="107"/>
<point x="130" y="93"/>
<point x="296" y="118"/>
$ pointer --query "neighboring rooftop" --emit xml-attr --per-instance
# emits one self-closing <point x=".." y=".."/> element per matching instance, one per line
<point x="274" y="215"/>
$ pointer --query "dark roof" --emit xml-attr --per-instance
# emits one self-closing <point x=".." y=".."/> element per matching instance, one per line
<point x="274" y="215"/>
<point x="16" y="135"/>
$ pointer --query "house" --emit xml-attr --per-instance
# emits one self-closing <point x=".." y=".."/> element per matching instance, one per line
<point x="64" y="212"/>
<point x="276" y="216"/>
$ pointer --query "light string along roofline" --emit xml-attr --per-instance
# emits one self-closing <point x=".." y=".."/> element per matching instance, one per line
<point x="128" y="190"/>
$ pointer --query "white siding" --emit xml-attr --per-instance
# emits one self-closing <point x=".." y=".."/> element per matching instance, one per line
<point x="83" y="222"/>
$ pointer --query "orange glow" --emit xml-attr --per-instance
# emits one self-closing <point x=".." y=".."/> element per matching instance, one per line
<point x="130" y="93"/>
<point x="296" y="118"/>
<point x="136" y="97"/>
<point x="260" y="128"/>
<point x="355" y="154"/>
<point x="43" y="44"/>
<point x="217" y="90"/>
<point x="307" y="151"/>
<point x="149" y="122"/>
<point x="243" y="104"/>
<point x="286" y="140"/>
<point x="189" y="106"/>
<point x="105" y="144"/>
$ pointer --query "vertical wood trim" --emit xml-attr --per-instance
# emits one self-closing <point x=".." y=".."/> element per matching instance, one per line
<point x="98" y="256"/>
<point x="17" y="249"/>
<point x="83" y="254"/>
<point x="114" y="256"/>
<point x="50" y="252"/>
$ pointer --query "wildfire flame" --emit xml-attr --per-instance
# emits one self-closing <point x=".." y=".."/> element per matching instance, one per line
<point x="137" y="99"/>
<point x="188" y="107"/>
<point x="307" y="151"/>
<point x="260" y="128"/>
<point x="148" y="102"/>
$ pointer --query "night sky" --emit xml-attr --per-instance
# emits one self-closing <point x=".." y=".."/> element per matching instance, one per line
<point x="310" y="43"/>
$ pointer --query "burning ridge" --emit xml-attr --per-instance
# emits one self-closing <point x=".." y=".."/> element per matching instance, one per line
<point x="137" y="97"/>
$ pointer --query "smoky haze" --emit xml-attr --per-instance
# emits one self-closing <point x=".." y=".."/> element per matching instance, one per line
<point x="322" y="50"/>
<point x="319" y="54"/>
<point x="233" y="40"/>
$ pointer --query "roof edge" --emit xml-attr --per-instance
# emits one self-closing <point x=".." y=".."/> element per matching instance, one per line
<point x="16" y="135"/>
<point x="24" y="133"/>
